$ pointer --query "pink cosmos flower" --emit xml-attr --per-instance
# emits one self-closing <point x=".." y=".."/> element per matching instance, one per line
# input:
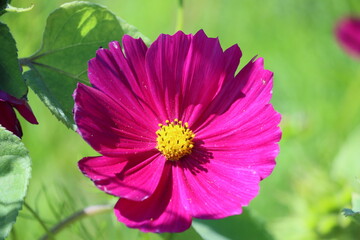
<point x="348" y="35"/>
<point x="180" y="133"/>
<point x="8" y="117"/>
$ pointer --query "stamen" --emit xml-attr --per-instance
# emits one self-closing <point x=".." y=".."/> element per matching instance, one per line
<point x="175" y="140"/>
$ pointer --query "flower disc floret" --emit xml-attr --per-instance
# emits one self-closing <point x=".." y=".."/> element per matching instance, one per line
<point x="175" y="140"/>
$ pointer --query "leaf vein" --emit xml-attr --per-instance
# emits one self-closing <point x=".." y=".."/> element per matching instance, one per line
<point x="61" y="71"/>
<point x="34" y="57"/>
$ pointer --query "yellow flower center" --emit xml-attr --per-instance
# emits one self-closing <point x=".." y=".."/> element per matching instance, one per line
<point x="174" y="140"/>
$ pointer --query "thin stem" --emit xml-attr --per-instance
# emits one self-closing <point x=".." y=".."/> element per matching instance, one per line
<point x="37" y="218"/>
<point x="180" y="16"/>
<point x="86" y="212"/>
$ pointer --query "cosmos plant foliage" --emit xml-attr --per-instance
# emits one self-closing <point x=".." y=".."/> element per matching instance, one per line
<point x="181" y="134"/>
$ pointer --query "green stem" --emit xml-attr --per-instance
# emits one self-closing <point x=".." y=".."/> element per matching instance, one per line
<point x="37" y="217"/>
<point x="86" y="212"/>
<point x="180" y="16"/>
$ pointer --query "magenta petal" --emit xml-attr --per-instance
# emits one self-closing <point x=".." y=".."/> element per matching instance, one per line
<point x="186" y="72"/>
<point x="21" y="105"/>
<point x="132" y="177"/>
<point x="135" y="51"/>
<point x="161" y="212"/>
<point x="251" y="144"/>
<point x="9" y="120"/>
<point x="133" y="65"/>
<point x="244" y="131"/>
<point x="107" y="72"/>
<point x="218" y="191"/>
<point x="246" y="109"/>
<point x="111" y="73"/>
<point x="204" y="73"/>
<point x="25" y="110"/>
<point x="244" y="95"/>
<point x="232" y="57"/>
<point x="348" y="35"/>
<point x="8" y="117"/>
<point x="258" y="156"/>
<point x="165" y="63"/>
<point x="109" y="128"/>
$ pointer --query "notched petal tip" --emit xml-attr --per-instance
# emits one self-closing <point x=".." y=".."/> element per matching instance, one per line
<point x="259" y="64"/>
<point x="77" y="92"/>
<point x="114" y="45"/>
<point x="128" y="38"/>
<point x="201" y="34"/>
<point x="234" y="50"/>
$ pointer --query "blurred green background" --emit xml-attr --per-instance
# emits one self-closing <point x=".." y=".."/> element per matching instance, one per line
<point x="317" y="91"/>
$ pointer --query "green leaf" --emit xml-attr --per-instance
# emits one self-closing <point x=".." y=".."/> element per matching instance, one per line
<point x="3" y="5"/>
<point x="10" y="8"/>
<point x="72" y="35"/>
<point x="11" y="80"/>
<point x="242" y="226"/>
<point x="133" y="31"/>
<point x="15" y="173"/>
<point x="353" y="213"/>
<point x="6" y="7"/>
<point x="355" y="216"/>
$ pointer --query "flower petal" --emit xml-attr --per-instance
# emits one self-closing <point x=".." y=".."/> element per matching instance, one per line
<point x="348" y="35"/>
<point x="241" y="127"/>
<point x="186" y="72"/>
<point x="251" y="145"/>
<point x="259" y="158"/>
<point x="243" y="96"/>
<point x="218" y="190"/>
<point x="165" y="62"/>
<point x="25" y="110"/>
<point x="132" y="176"/>
<point x="8" y="119"/>
<point x="21" y="105"/>
<point x="108" y="127"/>
<point x="113" y="74"/>
<point x="135" y="70"/>
<point x="161" y="212"/>
<point x="204" y="74"/>
<point x="244" y="129"/>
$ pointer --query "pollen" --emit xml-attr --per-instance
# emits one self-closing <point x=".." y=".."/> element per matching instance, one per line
<point x="175" y="139"/>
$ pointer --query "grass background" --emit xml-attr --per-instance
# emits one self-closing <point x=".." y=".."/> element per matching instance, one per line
<point x="316" y="90"/>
